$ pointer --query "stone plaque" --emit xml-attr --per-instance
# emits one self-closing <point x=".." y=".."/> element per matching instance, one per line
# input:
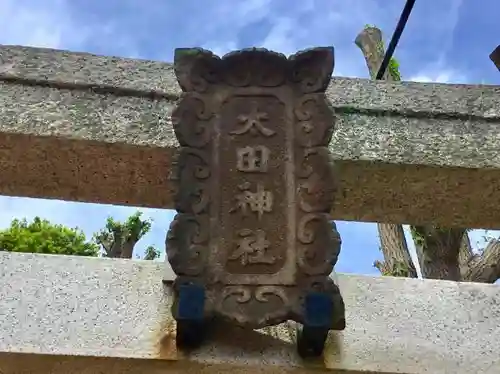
<point x="253" y="233"/>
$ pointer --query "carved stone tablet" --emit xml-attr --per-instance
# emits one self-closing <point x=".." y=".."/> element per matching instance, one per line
<point x="255" y="184"/>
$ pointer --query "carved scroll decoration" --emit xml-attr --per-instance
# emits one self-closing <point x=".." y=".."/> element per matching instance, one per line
<point x="318" y="242"/>
<point x="188" y="238"/>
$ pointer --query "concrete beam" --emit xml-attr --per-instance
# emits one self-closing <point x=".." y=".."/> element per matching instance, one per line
<point x="62" y="314"/>
<point x="76" y="126"/>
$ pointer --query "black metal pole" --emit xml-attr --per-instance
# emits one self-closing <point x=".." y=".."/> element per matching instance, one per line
<point x="495" y="57"/>
<point x="405" y="14"/>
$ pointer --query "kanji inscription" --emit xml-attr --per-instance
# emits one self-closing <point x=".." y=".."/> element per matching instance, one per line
<point x="251" y="248"/>
<point x="255" y="186"/>
<point x="253" y="159"/>
<point x="253" y="123"/>
<point x="259" y="201"/>
<point x="255" y="182"/>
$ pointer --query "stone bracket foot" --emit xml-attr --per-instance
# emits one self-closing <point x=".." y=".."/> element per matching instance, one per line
<point x="319" y="317"/>
<point x="190" y="316"/>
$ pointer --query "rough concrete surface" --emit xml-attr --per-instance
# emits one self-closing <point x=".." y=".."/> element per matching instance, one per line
<point x="86" y="308"/>
<point x="104" y="111"/>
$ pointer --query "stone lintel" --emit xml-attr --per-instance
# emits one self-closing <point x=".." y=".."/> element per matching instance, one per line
<point x="65" y="314"/>
<point x="97" y="129"/>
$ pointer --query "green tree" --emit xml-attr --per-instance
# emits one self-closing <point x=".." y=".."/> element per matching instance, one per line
<point x="118" y="239"/>
<point x="41" y="236"/>
<point x="151" y="253"/>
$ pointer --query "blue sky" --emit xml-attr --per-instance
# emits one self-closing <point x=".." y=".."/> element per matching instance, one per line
<point x="445" y="41"/>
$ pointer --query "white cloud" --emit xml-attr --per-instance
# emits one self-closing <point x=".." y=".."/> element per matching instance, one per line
<point x="33" y="23"/>
<point x="439" y="76"/>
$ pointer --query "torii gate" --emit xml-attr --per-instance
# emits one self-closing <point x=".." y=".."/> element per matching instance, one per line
<point x="81" y="127"/>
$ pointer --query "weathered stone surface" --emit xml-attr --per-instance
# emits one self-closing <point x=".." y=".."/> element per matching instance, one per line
<point x="85" y="308"/>
<point x="391" y="138"/>
<point x="255" y="187"/>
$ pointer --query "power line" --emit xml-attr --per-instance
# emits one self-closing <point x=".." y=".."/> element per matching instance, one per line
<point x="405" y="14"/>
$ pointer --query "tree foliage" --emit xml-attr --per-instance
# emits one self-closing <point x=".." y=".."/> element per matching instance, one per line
<point x="151" y="253"/>
<point x="116" y="239"/>
<point x="41" y="236"/>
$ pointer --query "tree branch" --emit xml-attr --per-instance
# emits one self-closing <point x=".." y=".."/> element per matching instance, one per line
<point x="397" y="258"/>
<point x="127" y="249"/>
<point x="465" y="255"/>
<point x="438" y="251"/>
<point x="380" y="265"/>
<point x="108" y="243"/>
<point x="485" y="268"/>
<point x="442" y="253"/>
<point x="133" y="230"/>
<point x="371" y="44"/>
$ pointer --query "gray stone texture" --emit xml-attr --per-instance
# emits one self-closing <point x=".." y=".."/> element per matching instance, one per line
<point x="80" y="309"/>
<point x="105" y="111"/>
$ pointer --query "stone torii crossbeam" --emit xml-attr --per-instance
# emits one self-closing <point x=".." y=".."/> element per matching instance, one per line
<point x="83" y="124"/>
